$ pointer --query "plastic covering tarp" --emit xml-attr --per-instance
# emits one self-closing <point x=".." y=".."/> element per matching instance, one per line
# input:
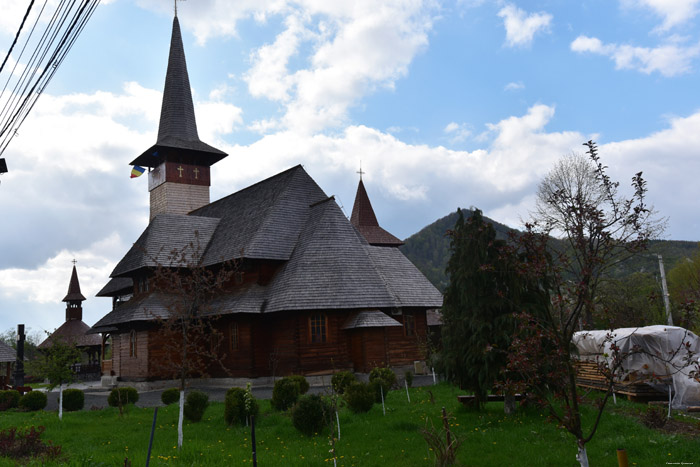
<point x="665" y="352"/>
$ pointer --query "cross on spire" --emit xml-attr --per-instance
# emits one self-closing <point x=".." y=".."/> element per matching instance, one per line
<point x="360" y="171"/>
<point x="74" y="261"/>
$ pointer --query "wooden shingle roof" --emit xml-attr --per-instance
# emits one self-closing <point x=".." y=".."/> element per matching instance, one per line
<point x="7" y="353"/>
<point x="364" y="220"/>
<point x="177" y="130"/>
<point x="370" y="319"/>
<point x="74" y="294"/>
<point x="327" y="263"/>
<point x="165" y="233"/>
<point x="117" y="286"/>
<point x="73" y="331"/>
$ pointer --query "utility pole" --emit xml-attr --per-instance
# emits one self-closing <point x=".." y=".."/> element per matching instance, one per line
<point x="664" y="288"/>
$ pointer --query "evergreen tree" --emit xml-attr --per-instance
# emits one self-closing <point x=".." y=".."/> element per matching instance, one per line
<point x="477" y="310"/>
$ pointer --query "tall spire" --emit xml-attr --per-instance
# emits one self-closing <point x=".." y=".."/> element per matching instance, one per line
<point x="180" y="179"/>
<point x="74" y="288"/>
<point x="177" y="130"/>
<point x="74" y="299"/>
<point x="364" y="220"/>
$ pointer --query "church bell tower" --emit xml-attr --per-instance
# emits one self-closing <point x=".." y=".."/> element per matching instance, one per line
<point x="179" y="163"/>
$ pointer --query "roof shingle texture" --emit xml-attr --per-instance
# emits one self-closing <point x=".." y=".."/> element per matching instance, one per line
<point x="178" y="127"/>
<point x="74" y="294"/>
<point x="72" y="332"/>
<point x="327" y="265"/>
<point x="7" y="353"/>
<point x="364" y="220"/>
<point x="167" y="233"/>
<point x="370" y="319"/>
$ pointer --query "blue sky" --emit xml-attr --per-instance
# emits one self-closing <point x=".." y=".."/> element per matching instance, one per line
<point x="455" y="103"/>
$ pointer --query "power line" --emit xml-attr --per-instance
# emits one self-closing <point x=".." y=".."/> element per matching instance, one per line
<point x="62" y="30"/>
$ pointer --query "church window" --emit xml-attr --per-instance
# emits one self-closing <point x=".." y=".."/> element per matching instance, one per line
<point x="409" y="325"/>
<point x="233" y="336"/>
<point x="132" y="343"/>
<point x="318" y="328"/>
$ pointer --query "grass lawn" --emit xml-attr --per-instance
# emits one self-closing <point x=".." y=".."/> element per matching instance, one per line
<point x="489" y="438"/>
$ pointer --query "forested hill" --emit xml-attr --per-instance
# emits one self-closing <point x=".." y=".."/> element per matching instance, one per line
<point x="429" y="250"/>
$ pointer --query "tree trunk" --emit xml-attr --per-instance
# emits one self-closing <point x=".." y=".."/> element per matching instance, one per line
<point x="179" y="420"/>
<point x="60" y="401"/>
<point x="582" y="456"/>
<point x="509" y="403"/>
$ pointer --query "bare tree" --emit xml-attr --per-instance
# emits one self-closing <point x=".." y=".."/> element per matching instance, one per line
<point x="600" y="228"/>
<point x="188" y="337"/>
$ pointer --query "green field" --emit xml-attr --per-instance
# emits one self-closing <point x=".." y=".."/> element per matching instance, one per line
<point x="489" y="437"/>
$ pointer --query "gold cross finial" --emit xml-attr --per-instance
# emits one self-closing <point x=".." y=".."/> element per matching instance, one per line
<point x="360" y="171"/>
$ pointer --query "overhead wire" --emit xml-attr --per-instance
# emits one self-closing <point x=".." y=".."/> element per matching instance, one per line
<point x="56" y="41"/>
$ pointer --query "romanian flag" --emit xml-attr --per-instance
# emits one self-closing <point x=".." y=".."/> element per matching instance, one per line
<point x="137" y="171"/>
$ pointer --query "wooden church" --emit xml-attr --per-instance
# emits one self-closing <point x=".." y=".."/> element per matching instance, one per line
<point x="315" y="292"/>
<point x="74" y="331"/>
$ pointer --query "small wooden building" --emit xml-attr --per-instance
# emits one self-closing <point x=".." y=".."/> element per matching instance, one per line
<point x="315" y="292"/>
<point x="8" y="355"/>
<point x="75" y="331"/>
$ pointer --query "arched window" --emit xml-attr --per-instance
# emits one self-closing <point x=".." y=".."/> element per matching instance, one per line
<point x="318" y="328"/>
<point x="132" y="343"/>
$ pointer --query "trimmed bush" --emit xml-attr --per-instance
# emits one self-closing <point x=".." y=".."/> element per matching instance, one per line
<point x="311" y="414"/>
<point x="196" y="403"/>
<point x="360" y="397"/>
<point x="170" y="396"/>
<point x="34" y="400"/>
<point x="301" y="381"/>
<point x="342" y="380"/>
<point x="9" y="399"/>
<point x="285" y="393"/>
<point x="73" y="399"/>
<point x="238" y="405"/>
<point x="126" y="394"/>
<point x="383" y="378"/>
<point x="409" y="378"/>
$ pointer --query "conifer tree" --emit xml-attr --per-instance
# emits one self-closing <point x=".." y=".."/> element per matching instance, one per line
<point x="477" y="309"/>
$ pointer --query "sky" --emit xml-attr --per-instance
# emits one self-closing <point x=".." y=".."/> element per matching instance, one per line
<point x="444" y="104"/>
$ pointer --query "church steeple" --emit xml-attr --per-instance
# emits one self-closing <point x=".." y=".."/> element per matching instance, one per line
<point x="74" y="299"/>
<point x="364" y="220"/>
<point x="180" y="180"/>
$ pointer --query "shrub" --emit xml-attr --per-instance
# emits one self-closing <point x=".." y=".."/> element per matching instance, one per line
<point x="409" y="378"/>
<point x="196" y="403"/>
<point x="285" y="393"/>
<point x="170" y="396"/>
<point x="33" y="400"/>
<point x="360" y="397"/>
<point x="342" y="380"/>
<point x="124" y="395"/>
<point x="301" y="381"/>
<point x="73" y="399"/>
<point x="9" y="399"/>
<point x="311" y="414"/>
<point x="240" y="404"/>
<point x="382" y="379"/>
<point x="24" y="444"/>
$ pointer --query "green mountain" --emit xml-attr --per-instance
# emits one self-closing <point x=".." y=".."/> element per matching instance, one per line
<point x="429" y="250"/>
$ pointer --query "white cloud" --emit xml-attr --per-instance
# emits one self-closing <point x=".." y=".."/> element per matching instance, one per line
<point x="673" y="12"/>
<point x="458" y="133"/>
<point x="521" y="27"/>
<point x="514" y="86"/>
<point x="48" y="282"/>
<point x="356" y="48"/>
<point x="670" y="59"/>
